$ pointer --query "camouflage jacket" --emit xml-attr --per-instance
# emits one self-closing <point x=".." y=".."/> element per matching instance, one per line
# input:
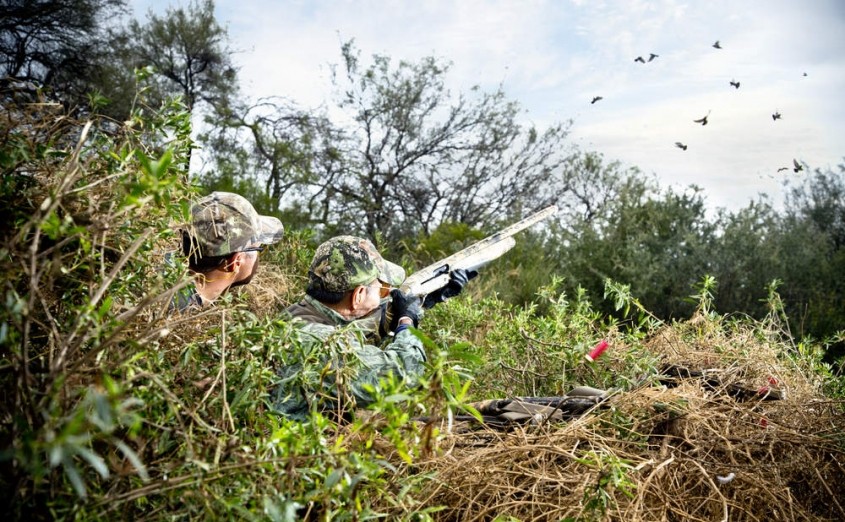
<point x="185" y="299"/>
<point x="334" y="360"/>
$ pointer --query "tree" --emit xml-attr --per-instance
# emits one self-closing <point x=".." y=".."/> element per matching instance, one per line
<point x="188" y="52"/>
<point x="57" y="44"/>
<point x="270" y="147"/>
<point x="820" y="200"/>
<point x="415" y="157"/>
<point x="627" y="229"/>
<point x="745" y="258"/>
<point x="812" y="248"/>
<point x="400" y="155"/>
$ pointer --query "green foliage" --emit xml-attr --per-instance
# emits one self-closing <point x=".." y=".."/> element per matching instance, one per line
<point x="77" y="284"/>
<point x="612" y="475"/>
<point x="522" y="353"/>
<point x="443" y="241"/>
<point x="704" y="296"/>
<point x="114" y="409"/>
<point x="133" y="413"/>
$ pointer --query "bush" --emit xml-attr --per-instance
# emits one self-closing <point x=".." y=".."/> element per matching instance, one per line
<point x="89" y="208"/>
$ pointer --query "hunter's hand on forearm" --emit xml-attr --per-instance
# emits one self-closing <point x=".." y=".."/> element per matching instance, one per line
<point x="405" y="306"/>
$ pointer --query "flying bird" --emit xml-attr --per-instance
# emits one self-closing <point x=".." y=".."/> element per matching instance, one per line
<point x="680" y="145"/>
<point x="595" y="99"/>
<point x="652" y="56"/>
<point x="734" y="83"/>
<point x="782" y="169"/>
<point x="805" y="74"/>
<point x="702" y="121"/>
<point x="639" y="59"/>
<point x="716" y="45"/>
<point x="797" y="166"/>
<point x="776" y="116"/>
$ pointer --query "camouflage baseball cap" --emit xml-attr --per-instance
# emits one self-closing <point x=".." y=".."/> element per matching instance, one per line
<point x="344" y="262"/>
<point x="223" y="223"/>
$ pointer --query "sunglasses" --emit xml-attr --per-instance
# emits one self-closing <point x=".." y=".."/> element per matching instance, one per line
<point x="383" y="290"/>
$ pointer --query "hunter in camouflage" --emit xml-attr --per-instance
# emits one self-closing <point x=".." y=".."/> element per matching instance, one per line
<point x="345" y="262"/>
<point x="350" y="284"/>
<point x="221" y="244"/>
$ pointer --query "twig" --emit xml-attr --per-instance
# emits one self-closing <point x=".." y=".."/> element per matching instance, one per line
<point x="527" y="337"/>
<point x="643" y="489"/>
<point x="175" y="399"/>
<point x="226" y="410"/>
<point x="715" y="488"/>
<point x="165" y="485"/>
<point x="81" y="318"/>
<point x="832" y="496"/>
<point x="523" y="370"/>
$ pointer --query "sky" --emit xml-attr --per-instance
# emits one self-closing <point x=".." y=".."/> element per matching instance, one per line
<point x="555" y="56"/>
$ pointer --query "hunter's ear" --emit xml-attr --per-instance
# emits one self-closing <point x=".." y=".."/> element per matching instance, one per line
<point x="359" y="295"/>
<point x="234" y="262"/>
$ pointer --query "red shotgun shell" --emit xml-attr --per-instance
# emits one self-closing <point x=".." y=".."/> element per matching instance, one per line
<point x="597" y="350"/>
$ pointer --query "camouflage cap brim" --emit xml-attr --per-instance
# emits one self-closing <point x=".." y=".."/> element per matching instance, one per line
<point x="270" y="230"/>
<point x="390" y="273"/>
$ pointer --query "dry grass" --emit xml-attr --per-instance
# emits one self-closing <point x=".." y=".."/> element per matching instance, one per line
<point x="687" y="452"/>
<point x="271" y="290"/>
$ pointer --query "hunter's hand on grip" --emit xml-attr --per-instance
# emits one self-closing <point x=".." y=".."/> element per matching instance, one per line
<point x="457" y="280"/>
<point x="404" y="305"/>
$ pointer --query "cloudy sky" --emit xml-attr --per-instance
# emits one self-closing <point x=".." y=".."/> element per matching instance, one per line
<point x="554" y="56"/>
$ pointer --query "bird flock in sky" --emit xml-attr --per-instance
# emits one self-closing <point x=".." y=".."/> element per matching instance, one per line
<point x="796" y="167"/>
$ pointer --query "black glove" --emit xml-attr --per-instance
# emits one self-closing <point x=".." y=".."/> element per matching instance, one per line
<point x="457" y="279"/>
<point x="404" y="305"/>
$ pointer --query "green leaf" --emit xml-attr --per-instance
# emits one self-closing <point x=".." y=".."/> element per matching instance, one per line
<point x="56" y="455"/>
<point x="133" y="458"/>
<point x="464" y="352"/>
<point x="397" y="397"/>
<point x="472" y="411"/>
<point x="111" y="386"/>
<point x="94" y="460"/>
<point x="333" y="478"/>
<point x="102" y="415"/>
<point x="404" y="455"/>
<point x="272" y="510"/>
<point x="104" y="307"/>
<point x="387" y="465"/>
<point x="74" y="477"/>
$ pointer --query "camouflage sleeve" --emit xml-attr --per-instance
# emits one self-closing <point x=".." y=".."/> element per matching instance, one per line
<point x="404" y="357"/>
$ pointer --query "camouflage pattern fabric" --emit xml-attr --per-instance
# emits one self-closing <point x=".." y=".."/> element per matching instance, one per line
<point x="325" y="338"/>
<point x="186" y="299"/>
<point x="345" y="262"/>
<point x="223" y="223"/>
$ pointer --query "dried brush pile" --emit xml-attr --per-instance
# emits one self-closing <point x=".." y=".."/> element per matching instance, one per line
<point x="671" y="449"/>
